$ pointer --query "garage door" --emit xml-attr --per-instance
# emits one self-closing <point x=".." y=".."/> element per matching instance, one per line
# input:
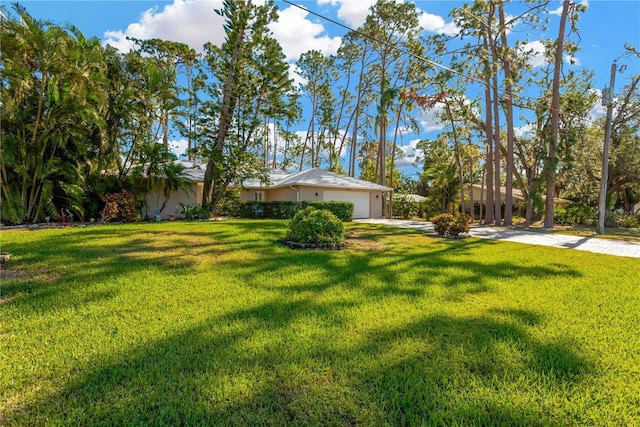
<point x="360" y="200"/>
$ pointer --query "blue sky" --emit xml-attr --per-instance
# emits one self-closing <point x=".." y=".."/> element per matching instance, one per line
<point x="604" y="29"/>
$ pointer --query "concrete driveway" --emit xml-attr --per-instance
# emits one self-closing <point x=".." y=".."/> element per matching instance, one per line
<point x="544" y="238"/>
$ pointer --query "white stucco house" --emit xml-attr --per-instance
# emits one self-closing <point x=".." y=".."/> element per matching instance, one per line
<point x="307" y="185"/>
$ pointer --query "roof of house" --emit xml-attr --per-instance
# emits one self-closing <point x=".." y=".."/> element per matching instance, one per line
<point x="323" y="178"/>
<point x="410" y="197"/>
<point x="517" y="195"/>
<point x="194" y="171"/>
<point x="275" y="175"/>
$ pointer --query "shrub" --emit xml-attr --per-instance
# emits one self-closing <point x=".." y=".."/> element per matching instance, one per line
<point x="228" y="205"/>
<point x="451" y="225"/>
<point x="343" y="210"/>
<point x="560" y="216"/>
<point x="427" y="209"/>
<point x="315" y="226"/>
<point x="460" y="224"/>
<point x="196" y="211"/>
<point x="574" y="214"/>
<point x="405" y="208"/>
<point x="287" y="210"/>
<point x="442" y="223"/>
<point x="281" y="210"/>
<point x="624" y="220"/>
<point x="120" y="207"/>
<point x="267" y="210"/>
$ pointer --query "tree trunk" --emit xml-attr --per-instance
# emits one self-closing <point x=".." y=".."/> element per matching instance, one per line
<point x="356" y="122"/>
<point x="489" y="211"/>
<point x="456" y="150"/>
<point x="226" y="114"/>
<point x="552" y="159"/>
<point x="497" y="192"/>
<point x="506" y="65"/>
<point x="472" y="210"/>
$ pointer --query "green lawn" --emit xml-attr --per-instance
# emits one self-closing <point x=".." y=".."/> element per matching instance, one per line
<point x="218" y="323"/>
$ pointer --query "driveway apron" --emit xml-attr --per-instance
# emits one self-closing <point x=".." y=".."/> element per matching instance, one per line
<point x="582" y="243"/>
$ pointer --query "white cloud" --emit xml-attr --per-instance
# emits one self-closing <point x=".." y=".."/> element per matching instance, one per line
<point x="192" y="22"/>
<point x="598" y="111"/>
<point x="429" y="120"/>
<point x="537" y="51"/>
<point x="405" y="130"/>
<point x="179" y="147"/>
<point x="297" y="79"/>
<point x="573" y="60"/>
<point x="558" y="10"/>
<point x="436" y="24"/>
<point x="412" y="155"/>
<point x="538" y="58"/>
<point x="527" y="131"/>
<point x="353" y="12"/>
<point x="297" y="34"/>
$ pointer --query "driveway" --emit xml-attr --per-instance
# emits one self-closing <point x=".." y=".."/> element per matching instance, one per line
<point x="544" y="238"/>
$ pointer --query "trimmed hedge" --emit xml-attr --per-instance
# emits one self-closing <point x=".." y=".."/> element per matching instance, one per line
<point x="287" y="210"/>
<point x="343" y="210"/>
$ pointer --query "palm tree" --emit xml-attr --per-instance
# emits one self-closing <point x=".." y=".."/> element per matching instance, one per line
<point x="50" y="90"/>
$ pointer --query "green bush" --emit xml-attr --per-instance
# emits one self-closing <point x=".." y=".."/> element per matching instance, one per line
<point x="575" y="214"/>
<point x="228" y="205"/>
<point x="343" y="210"/>
<point x="427" y="209"/>
<point x="287" y="210"/>
<point x="315" y="226"/>
<point x="560" y="216"/>
<point x="624" y="220"/>
<point x="268" y="210"/>
<point x="451" y="225"/>
<point x="196" y="211"/>
<point x="460" y="224"/>
<point x="405" y="208"/>
<point x="120" y="207"/>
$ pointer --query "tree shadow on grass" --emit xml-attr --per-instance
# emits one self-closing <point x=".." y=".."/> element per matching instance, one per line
<point x="402" y="270"/>
<point x="295" y="357"/>
<point x="471" y="371"/>
<point x="253" y="367"/>
<point x="75" y="260"/>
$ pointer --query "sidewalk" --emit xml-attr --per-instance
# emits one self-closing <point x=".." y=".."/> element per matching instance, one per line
<point x="591" y="244"/>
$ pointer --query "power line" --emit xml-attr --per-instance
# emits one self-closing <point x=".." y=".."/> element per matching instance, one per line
<point x="419" y="57"/>
<point x="360" y="33"/>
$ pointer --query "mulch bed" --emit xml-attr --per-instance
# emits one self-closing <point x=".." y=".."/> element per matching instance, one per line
<point x="307" y="246"/>
<point x="445" y="236"/>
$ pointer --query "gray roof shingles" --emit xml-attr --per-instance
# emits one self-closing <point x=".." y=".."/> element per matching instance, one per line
<point x="278" y="179"/>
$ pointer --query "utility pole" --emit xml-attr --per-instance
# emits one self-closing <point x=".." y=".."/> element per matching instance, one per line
<point x="607" y="99"/>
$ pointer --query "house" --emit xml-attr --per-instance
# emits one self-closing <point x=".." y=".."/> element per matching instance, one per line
<point x="479" y="194"/>
<point x="194" y="172"/>
<point x="415" y="198"/>
<point x="319" y="185"/>
<point x="307" y="185"/>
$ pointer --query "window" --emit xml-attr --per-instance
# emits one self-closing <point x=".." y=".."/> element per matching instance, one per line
<point x="258" y="196"/>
